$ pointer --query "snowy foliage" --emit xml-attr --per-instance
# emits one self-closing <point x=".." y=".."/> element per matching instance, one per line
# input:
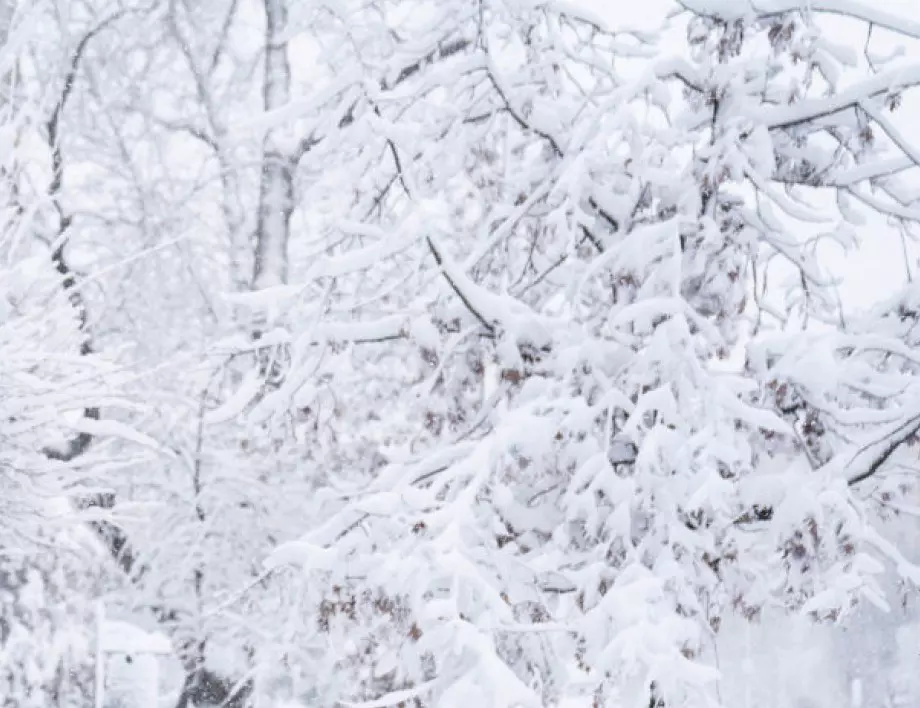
<point x="587" y="490"/>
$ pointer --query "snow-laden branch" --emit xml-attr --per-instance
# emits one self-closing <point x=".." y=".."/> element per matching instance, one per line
<point x="810" y="110"/>
<point x="864" y="10"/>
<point x="870" y="171"/>
<point x="868" y="11"/>
<point x="870" y="457"/>
<point x="470" y="294"/>
<point x="908" y="149"/>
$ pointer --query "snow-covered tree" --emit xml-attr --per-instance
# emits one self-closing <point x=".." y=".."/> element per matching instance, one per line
<point x="57" y="394"/>
<point x="595" y="430"/>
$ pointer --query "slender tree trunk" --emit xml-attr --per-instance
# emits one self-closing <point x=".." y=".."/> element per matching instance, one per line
<point x="276" y="193"/>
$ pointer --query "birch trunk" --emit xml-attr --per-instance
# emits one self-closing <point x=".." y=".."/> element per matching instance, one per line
<point x="276" y="193"/>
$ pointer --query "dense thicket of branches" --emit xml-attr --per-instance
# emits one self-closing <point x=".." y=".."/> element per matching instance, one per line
<point x="447" y="353"/>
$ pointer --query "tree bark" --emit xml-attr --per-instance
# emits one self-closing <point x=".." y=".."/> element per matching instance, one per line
<point x="276" y="190"/>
